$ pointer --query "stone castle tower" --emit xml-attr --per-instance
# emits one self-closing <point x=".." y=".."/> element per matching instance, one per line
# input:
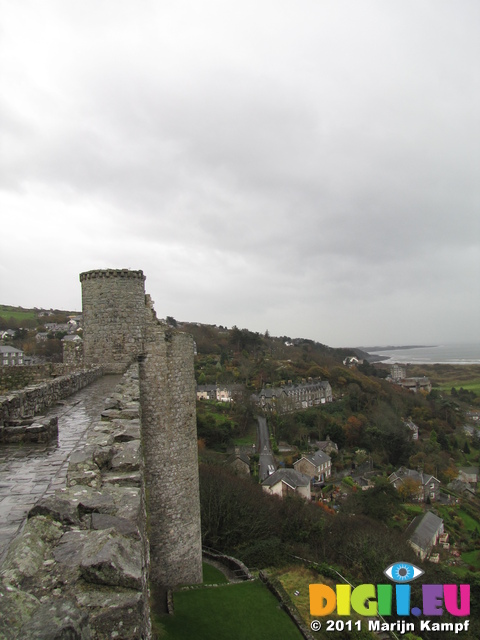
<point x="120" y="327"/>
<point x="113" y="302"/>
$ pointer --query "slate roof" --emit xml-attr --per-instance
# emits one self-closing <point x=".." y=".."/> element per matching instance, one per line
<point x="72" y="338"/>
<point x="291" y="477"/>
<point x="8" y="349"/>
<point x="403" y="473"/>
<point x="241" y="456"/>
<point x="423" y="528"/>
<point x="317" y="458"/>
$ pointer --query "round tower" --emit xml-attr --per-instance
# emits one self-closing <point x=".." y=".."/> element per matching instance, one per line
<point x="113" y="302"/>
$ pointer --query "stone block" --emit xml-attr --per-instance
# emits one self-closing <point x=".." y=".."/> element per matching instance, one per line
<point x="57" y="620"/>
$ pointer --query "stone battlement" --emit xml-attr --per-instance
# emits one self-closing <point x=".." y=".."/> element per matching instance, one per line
<point x="112" y="273"/>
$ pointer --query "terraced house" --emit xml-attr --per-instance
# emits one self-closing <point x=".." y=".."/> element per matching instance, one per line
<point x="294" y="397"/>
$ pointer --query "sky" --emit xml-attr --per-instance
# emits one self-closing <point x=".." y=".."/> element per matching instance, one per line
<point x="306" y="167"/>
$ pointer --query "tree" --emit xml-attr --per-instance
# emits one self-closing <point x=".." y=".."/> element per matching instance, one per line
<point x="354" y="431"/>
<point x="409" y="489"/>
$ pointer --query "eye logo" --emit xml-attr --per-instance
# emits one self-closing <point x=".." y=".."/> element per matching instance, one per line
<point x="402" y="572"/>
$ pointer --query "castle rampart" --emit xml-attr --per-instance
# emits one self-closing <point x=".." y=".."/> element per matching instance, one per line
<point x="130" y="514"/>
<point x="120" y="326"/>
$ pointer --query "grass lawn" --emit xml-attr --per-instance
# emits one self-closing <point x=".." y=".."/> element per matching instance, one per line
<point x="243" y="611"/>
<point x="472" y="557"/>
<point x="470" y="523"/>
<point x="212" y="575"/>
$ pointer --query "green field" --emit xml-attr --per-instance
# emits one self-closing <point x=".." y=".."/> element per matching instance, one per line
<point x="7" y="312"/>
<point x="244" y="611"/>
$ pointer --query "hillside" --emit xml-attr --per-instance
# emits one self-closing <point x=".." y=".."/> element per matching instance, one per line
<point x="253" y="359"/>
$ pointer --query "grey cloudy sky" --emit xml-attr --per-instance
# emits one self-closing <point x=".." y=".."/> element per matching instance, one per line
<point x="308" y="167"/>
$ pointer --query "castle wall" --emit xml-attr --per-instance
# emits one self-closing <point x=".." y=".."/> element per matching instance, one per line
<point x="120" y="326"/>
<point x="169" y="439"/>
<point x="113" y="303"/>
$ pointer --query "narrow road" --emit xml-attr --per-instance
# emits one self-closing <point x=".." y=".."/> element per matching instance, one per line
<point x="30" y="471"/>
<point x="267" y="461"/>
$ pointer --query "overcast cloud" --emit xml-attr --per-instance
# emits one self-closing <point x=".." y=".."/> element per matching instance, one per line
<point x="308" y="167"/>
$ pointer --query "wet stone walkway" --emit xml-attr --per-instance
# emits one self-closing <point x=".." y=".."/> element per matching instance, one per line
<point x="30" y="471"/>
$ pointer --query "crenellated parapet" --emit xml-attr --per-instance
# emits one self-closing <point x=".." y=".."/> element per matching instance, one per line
<point x="112" y="273"/>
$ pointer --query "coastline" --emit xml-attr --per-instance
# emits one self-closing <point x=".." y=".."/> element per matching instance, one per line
<point x="447" y="354"/>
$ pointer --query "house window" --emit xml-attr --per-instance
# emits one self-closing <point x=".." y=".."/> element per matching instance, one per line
<point x="432" y="494"/>
<point x="432" y="486"/>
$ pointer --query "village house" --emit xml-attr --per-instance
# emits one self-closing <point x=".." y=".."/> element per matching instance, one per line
<point x="468" y="474"/>
<point x="317" y="466"/>
<point x="424" y="532"/>
<point x="328" y="446"/>
<point x="7" y="334"/>
<point x="10" y="356"/>
<point x="285" y="482"/>
<point x="413" y="428"/>
<point x="398" y="375"/>
<point x="206" y="392"/>
<point x="428" y="485"/>
<point x="239" y="461"/>
<point x="217" y="393"/>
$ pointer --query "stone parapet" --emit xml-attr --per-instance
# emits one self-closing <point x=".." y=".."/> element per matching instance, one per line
<point x="83" y="554"/>
<point x="112" y="273"/>
<point x="34" y="399"/>
<point x="19" y="376"/>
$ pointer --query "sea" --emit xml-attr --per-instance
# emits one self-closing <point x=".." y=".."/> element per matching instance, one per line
<point x="468" y="353"/>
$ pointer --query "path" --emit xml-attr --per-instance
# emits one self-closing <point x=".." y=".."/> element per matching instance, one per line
<point x="30" y="471"/>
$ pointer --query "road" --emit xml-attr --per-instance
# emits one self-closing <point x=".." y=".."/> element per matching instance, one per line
<point x="267" y="461"/>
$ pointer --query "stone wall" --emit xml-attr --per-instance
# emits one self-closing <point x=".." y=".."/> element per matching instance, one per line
<point x="20" y="376"/>
<point x="33" y="400"/>
<point x="39" y="430"/>
<point x="80" y="567"/>
<point x="113" y="303"/>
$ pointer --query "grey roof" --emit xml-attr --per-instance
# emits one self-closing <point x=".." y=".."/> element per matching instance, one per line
<point x="72" y="338"/>
<point x="403" y="472"/>
<point x="469" y="470"/>
<point x="317" y="458"/>
<point x="423" y="528"/>
<point x="291" y="477"/>
<point x="241" y="456"/>
<point x="8" y="349"/>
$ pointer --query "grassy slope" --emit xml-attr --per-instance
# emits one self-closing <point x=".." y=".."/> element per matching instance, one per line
<point x="446" y="376"/>
<point x="7" y="312"/>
